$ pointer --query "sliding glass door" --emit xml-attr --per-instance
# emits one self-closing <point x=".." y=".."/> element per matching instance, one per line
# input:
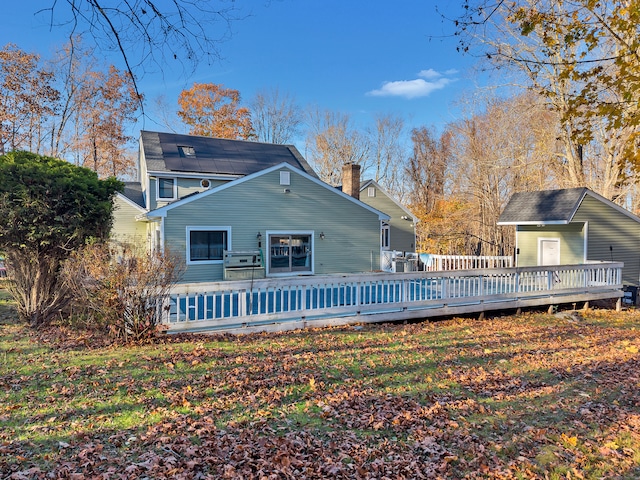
<point x="290" y="253"/>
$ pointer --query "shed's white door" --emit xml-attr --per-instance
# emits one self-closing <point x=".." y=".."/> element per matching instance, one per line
<point x="549" y="251"/>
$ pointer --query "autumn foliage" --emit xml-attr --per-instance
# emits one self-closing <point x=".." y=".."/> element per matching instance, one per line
<point x="65" y="108"/>
<point x="214" y="111"/>
<point x="27" y="98"/>
<point x="444" y="229"/>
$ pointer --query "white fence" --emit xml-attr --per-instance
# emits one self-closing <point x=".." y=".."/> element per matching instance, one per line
<point x="286" y="303"/>
<point x="434" y="262"/>
<point x="395" y="261"/>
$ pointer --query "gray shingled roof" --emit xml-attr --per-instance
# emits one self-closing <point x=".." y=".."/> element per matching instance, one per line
<point x="542" y="207"/>
<point x="133" y="191"/>
<point x="216" y="155"/>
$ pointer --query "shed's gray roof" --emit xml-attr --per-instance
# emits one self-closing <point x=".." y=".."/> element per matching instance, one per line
<point x="215" y="155"/>
<point x="542" y="207"/>
<point x="551" y="207"/>
<point x="133" y="191"/>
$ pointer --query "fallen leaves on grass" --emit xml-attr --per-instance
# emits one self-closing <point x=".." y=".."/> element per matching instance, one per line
<point x="512" y="397"/>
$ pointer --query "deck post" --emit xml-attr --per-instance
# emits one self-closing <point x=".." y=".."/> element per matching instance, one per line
<point x="242" y="302"/>
<point x="619" y="305"/>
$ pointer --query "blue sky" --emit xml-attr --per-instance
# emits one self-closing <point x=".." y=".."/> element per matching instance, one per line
<point x="350" y="56"/>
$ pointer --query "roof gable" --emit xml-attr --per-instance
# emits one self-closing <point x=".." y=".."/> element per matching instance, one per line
<point x="170" y="152"/>
<point x="162" y="211"/>
<point x="369" y="183"/>
<point x="551" y="207"/>
<point x="132" y="193"/>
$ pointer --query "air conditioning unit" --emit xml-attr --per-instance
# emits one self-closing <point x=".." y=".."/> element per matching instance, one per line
<point x="243" y="265"/>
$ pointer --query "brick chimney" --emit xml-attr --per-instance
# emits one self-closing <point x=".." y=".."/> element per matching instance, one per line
<point x="351" y="180"/>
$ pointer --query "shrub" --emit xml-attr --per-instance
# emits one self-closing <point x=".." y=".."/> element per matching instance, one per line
<point x="48" y="208"/>
<point x="124" y="288"/>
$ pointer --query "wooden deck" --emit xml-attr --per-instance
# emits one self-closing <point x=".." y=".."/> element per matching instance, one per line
<point x="274" y="304"/>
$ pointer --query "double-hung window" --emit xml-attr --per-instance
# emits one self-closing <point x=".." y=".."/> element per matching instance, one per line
<point x="207" y="244"/>
<point x="166" y="188"/>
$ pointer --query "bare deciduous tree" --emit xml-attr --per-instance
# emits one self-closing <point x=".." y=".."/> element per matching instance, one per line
<point x="427" y="167"/>
<point x="502" y="149"/>
<point x="275" y="116"/>
<point x="164" y="114"/>
<point x="332" y="142"/>
<point x="387" y="154"/>
<point x="583" y="56"/>
<point x="148" y="33"/>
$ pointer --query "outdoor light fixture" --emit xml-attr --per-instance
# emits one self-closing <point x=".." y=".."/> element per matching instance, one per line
<point x="322" y="235"/>
<point x="259" y="237"/>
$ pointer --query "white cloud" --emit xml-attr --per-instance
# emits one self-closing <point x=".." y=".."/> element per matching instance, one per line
<point x="429" y="81"/>
<point x="430" y="74"/>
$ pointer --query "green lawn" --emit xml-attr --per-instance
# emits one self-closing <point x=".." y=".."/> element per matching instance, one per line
<point x="527" y="396"/>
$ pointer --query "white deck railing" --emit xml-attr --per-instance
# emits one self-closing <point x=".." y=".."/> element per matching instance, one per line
<point x="433" y="262"/>
<point x="383" y="296"/>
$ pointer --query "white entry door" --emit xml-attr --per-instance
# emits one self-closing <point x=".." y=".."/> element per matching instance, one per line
<point x="549" y="251"/>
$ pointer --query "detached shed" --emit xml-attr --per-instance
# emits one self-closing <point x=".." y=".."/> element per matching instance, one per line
<point x="573" y="226"/>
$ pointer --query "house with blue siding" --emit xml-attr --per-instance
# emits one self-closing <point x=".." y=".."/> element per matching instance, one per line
<point x="234" y="209"/>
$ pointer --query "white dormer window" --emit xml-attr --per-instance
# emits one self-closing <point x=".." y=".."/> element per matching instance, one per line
<point x="166" y="188"/>
<point x="371" y="192"/>
<point x="186" y="151"/>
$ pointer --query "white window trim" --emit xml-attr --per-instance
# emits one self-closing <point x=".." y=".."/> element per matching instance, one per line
<point x="387" y="227"/>
<point x="175" y="189"/>
<point x="585" y="244"/>
<point x="371" y="192"/>
<point x="549" y="239"/>
<point x="311" y="233"/>
<point x="206" y="229"/>
<point x="285" y="177"/>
